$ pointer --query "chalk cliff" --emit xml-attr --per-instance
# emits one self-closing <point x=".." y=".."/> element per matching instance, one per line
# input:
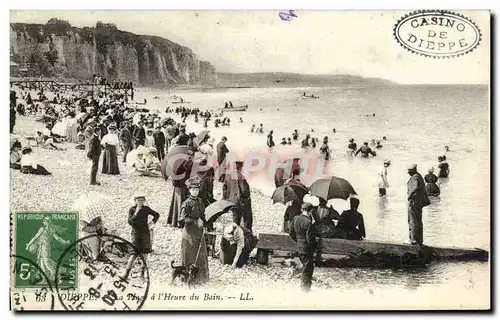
<point x="59" y="49"/>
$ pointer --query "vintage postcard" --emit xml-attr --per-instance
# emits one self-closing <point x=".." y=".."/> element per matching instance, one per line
<point x="250" y="160"/>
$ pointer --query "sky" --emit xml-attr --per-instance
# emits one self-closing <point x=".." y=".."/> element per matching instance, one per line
<point x="315" y="42"/>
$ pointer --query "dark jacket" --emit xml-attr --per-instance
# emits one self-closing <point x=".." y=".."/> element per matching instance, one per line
<point x="139" y="134"/>
<point x="159" y="138"/>
<point x="301" y="231"/>
<point x="125" y="137"/>
<point x="365" y="151"/>
<point x="222" y="150"/>
<point x="416" y="191"/>
<point x="94" y="148"/>
<point x="140" y="222"/>
<point x="323" y="220"/>
<point x="291" y="212"/>
<point x="236" y="189"/>
<point x="183" y="139"/>
<point x="352" y="225"/>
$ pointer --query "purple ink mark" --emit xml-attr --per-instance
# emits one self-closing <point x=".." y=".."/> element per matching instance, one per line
<point x="287" y="16"/>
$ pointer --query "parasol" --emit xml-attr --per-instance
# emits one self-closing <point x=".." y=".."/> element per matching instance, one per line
<point x="92" y="207"/>
<point x="173" y="160"/>
<point x="216" y="209"/>
<point x="289" y="192"/>
<point x="332" y="188"/>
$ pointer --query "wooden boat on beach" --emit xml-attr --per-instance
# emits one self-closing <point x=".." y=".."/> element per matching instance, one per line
<point x="366" y="253"/>
<point x="309" y="97"/>
<point x="234" y="109"/>
<point x="176" y="102"/>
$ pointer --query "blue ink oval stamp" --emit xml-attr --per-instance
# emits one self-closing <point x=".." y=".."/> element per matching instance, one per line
<point x="437" y="33"/>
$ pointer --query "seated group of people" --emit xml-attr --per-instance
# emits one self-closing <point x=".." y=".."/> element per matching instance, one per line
<point x="23" y="159"/>
<point x="328" y="223"/>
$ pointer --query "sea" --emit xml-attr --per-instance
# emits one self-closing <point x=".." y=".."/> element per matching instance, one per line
<point x="418" y="122"/>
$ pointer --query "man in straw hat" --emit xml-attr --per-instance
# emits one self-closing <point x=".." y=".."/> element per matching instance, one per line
<point x="138" y="218"/>
<point x="417" y="199"/>
<point x="383" y="183"/>
<point x="301" y="231"/>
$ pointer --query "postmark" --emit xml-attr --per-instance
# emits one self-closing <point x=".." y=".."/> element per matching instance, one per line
<point x="42" y="237"/>
<point x="24" y="299"/>
<point x="437" y="33"/>
<point x="102" y="281"/>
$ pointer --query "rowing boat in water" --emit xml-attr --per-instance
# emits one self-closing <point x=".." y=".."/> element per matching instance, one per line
<point x="234" y="109"/>
<point x="366" y="253"/>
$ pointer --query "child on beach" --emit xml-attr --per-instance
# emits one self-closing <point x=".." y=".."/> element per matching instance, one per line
<point x="150" y="140"/>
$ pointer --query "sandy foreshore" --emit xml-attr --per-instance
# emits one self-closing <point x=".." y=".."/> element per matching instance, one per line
<point x="69" y="180"/>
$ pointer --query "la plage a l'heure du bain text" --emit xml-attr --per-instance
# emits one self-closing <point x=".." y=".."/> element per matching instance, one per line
<point x="206" y="296"/>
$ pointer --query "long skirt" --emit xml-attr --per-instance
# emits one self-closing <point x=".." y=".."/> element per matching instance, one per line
<point x="180" y="194"/>
<point x="194" y="251"/>
<point x="110" y="161"/>
<point x="40" y="170"/>
<point x="73" y="133"/>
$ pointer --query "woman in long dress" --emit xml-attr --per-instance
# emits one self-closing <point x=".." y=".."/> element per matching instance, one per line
<point x="193" y="246"/>
<point x="40" y="246"/>
<point x="181" y="192"/>
<point x="110" y="160"/>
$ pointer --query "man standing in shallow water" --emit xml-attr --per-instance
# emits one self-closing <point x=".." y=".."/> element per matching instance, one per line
<point x="416" y="201"/>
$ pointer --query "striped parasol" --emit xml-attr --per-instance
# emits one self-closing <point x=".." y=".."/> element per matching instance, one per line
<point x="92" y="205"/>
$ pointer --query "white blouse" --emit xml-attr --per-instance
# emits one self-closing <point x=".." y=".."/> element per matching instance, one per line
<point x="111" y="139"/>
<point x="28" y="160"/>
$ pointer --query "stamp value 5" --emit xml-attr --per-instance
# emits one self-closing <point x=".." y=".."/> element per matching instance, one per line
<point x="42" y="237"/>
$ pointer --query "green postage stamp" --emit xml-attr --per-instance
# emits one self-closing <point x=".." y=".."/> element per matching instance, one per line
<point x="40" y="240"/>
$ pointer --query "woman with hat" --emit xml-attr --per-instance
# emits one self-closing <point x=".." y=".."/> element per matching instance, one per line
<point x="181" y="169"/>
<point x="110" y="141"/>
<point x="15" y="155"/>
<point x="138" y="218"/>
<point x="236" y="245"/>
<point x="30" y="165"/>
<point x="383" y="184"/>
<point x="193" y="247"/>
